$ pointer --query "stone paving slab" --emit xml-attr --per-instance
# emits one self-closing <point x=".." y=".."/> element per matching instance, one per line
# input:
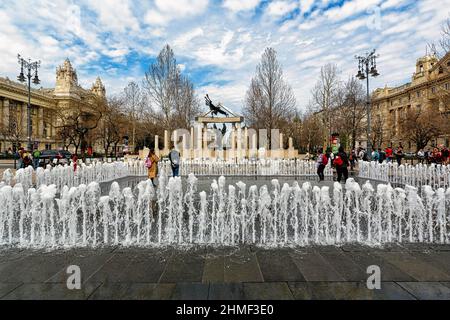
<point x="267" y="291"/>
<point x="242" y="266"/>
<point x="50" y="291"/>
<point x="427" y="290"/>
<point x="344" y="265"/>
<point x="389" y="272"/>
<point x="417" y="268"/>
<point x="277" y="265"/>
<point x="184" y="267"/>
<point x="190" y="291"/>
<point x="347" y="290"/>
<point x="226" y="291"/>
<point x="314" y="267"/>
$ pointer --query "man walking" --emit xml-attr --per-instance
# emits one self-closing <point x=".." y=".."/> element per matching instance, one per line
<point x="174" y="157"/>
<point x="321" y="162"/>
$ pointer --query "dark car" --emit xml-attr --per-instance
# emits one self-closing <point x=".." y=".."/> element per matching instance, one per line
<point x="54" y="157"/>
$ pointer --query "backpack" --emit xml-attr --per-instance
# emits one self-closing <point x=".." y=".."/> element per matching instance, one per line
<point x="324" y="160"/>
<point x="338" y="161"/>
<point x="148" y="163"/>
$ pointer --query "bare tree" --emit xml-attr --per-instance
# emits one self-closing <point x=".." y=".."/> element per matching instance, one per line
<point x="352" y="112"/>
<point x="114" y="125"/>
<point x="134" y="106"/>
<point x="377" y="136"/>
<point x="420" y="127"/>
<point x="443" y="45"/>
<point x="76" y="124"/>
<point x="171" y="94"/>
<point x="311" y="125"/>
<point x="15" y="130"/>
<point x="325" y="96"/>
<point x="270" y="101"/>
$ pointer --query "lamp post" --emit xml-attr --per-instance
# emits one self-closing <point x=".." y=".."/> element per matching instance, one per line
<point x="31" y="68"/>
<point x="367" y="66"/>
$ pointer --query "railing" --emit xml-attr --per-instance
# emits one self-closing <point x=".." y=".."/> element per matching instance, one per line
<point x="295" y="168"/>
<point x="436" y="176"/>
<point x="67" y="175"/>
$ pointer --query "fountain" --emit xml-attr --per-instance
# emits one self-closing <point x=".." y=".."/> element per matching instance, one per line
<point x="65" y="208"/>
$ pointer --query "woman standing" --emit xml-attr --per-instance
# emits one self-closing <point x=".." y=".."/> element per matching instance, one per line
<point x="152" y="165"/>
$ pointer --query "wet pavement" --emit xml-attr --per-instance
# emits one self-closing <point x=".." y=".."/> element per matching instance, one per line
<point x="408" y="271"/>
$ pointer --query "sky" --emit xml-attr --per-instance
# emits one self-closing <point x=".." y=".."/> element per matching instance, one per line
<point x="218" y="43"/>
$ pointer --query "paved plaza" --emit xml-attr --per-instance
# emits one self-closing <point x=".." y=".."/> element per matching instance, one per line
<point x="409" y="271"/>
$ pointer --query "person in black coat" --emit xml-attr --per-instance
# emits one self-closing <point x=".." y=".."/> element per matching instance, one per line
<point x="341" y="164"/>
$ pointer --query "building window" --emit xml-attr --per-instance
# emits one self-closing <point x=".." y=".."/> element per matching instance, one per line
<point x="421" y="68"/>
<point x="447" y="86"/>
<point x="433" y="90"/>
<point x="441" y="70"/>
<point x="418" y="94"/>
<point x="48" y="146"/>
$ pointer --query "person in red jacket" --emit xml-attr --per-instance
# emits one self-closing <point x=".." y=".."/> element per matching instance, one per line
<point x="389" y="154"/>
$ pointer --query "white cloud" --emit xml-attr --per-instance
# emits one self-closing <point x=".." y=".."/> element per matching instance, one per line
<point x="280" y="8"/>
<point x="115" y="15"/>
<point x="306" y="5"/>
<point x="166" y="11"/>
<point x="351" y="8"/>
<point x="240" y="5"/>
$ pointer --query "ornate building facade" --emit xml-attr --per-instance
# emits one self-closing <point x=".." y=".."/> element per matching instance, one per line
<point x="46" y="104"/>
<point x="428" y="90"/>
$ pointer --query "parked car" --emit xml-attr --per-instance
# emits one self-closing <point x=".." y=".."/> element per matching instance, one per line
<point x="54" y="157"/>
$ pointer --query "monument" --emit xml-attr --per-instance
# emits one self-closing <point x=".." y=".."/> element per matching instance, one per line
<point x="233" y="141"/>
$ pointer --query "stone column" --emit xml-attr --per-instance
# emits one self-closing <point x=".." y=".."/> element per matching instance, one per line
<point x="41" y="122"/>
<point x="246" y="147"/>
<point x="281" y="148"/>
<point x="157" y="152"/>
<point x="166" y="142"/>
<point x="5" y="113"/>
<point x="199" y="146"/>
<point x="25" y="122"/>
<point x="254" y="147"/>
<point x="291" y="150"/>
<point x="205" y="149"/>
<point x="239" y="141"/>
<point x="191" y="146"/>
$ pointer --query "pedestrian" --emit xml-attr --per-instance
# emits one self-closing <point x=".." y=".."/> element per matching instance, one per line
<point x="362" y="154"/>
<point x="151" y="162"/>
<point x="321" y="162"/>
<point x="174" y="157"/>
<point x="26" y="159"/>
<point x="399" y="154"/>
<point x="352" y="159"/>
<point x="36" y="157"/>
<point x="20" y="157"/>
<point x="445" y="155"/>
<point x="341" y="164"/>
<point x="421" y="155"/>
<point x="381" y="155"/>
<point x="74" y="161"/>
<point x="389" y="154"/>
<point x="375" y="155"/>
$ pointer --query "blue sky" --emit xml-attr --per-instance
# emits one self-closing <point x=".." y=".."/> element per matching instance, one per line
<point x="218" y="43"/>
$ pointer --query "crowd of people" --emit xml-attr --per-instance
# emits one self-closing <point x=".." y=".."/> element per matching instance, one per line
<point x="341" y="160"/>
<point x="27" y="158"/>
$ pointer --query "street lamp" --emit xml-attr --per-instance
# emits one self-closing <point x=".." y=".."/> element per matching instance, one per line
<point x="367" y="66"/>
<point x="31" y="69"/>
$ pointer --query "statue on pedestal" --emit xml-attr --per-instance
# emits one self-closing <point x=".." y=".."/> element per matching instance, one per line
<point x="214" y="109"/>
